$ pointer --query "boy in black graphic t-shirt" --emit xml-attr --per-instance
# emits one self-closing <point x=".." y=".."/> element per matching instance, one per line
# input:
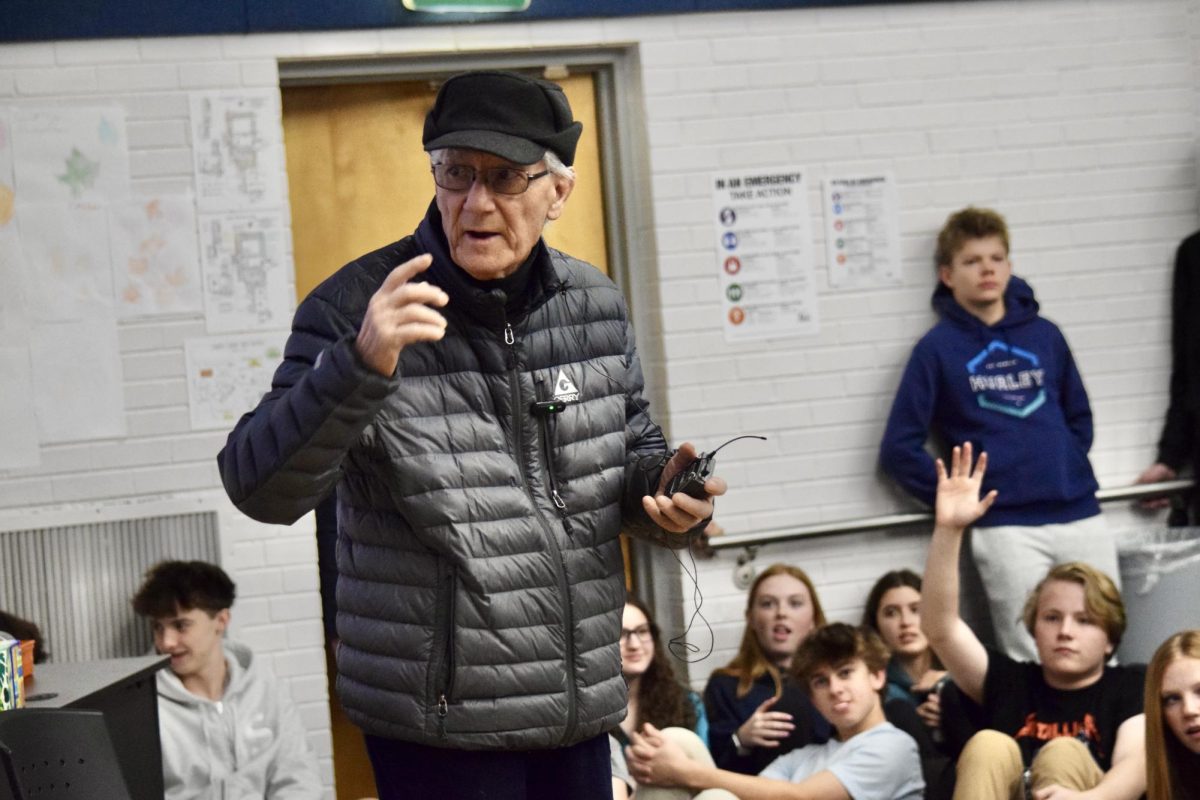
<point x="1018" y="701"/>
<point x="1074" y="722"/>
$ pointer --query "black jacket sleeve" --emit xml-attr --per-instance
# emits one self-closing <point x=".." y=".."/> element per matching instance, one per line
<point x="283" y="457"/>
<point x="645" y="455"/>
<point x="1178" y="442"/>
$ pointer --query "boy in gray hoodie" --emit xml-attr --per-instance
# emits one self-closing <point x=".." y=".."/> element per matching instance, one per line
<point x="225" y="732"/>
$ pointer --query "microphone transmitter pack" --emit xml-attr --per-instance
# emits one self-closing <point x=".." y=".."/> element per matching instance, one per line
<point x="690" y="480"/>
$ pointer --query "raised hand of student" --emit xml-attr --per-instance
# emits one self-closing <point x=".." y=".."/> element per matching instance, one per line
<point x="765" y="728"/>
<point x="398" y="314"/>
<point x="958" y="503"/>
<point x="654" y="759"/>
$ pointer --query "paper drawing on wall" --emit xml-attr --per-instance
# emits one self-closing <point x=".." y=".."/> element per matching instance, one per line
<point x="155" y="257"/>
<point x="81" y="173"/>
<point x="19" y="433"/>
<point x="236" y="141"/>
<point x="14" y="277"/>
<point x="7" y="192"/>
<point x="245" y="275"/>
<point x="63" y="155"/>
<point x="228" y="374"/>
<point x="67" y="255"/>
<point x="77" y="380"/>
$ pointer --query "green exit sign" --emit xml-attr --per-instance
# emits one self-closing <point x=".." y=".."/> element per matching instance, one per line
<point x="451" y="6"/>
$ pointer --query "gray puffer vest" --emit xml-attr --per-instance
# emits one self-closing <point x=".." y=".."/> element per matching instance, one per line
<point x="480" y="574"/>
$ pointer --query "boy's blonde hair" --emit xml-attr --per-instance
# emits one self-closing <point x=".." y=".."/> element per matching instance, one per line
<point x="970" y="223"/>
<point x="1100" y="597"/>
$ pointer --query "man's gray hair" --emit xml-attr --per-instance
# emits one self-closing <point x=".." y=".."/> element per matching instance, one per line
<point x="555" y="165"/>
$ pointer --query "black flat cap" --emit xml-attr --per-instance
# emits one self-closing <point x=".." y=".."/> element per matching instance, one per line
<point x="507" y="114"/>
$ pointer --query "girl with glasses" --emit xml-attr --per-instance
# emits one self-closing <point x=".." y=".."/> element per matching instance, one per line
<point x="655" y="694"/>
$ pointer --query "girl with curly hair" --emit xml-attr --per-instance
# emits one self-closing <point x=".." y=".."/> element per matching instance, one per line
<point x="655" y="694"/>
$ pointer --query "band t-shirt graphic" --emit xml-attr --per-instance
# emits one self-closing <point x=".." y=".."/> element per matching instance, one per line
<point x="1019" y="702"/>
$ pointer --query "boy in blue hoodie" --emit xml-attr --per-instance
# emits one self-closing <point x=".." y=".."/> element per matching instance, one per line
<point x="994" y="373"/>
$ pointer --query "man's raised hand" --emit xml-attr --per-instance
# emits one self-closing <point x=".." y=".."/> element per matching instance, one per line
<point x="958" y="503"/>
<point x="398" y="314"/>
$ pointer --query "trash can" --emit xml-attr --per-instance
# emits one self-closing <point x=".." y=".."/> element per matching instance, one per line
<point x="1160" y="583"/>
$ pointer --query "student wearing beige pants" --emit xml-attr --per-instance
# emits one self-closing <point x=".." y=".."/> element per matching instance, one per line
<point x="1064" y="724"/>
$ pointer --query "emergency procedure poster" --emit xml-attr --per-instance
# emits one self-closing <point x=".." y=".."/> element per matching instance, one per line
<point x="862" y="233"/>
<point x="764" y="253"/>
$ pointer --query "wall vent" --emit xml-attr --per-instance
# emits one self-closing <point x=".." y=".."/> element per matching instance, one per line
<point x="75" y="581"/>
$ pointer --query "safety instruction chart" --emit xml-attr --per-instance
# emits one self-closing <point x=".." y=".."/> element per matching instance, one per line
<point x="862" y="231"/>
<point x="764" y="253"/>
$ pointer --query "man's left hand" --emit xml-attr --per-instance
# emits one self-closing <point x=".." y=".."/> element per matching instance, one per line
<point x="681" y="512"/>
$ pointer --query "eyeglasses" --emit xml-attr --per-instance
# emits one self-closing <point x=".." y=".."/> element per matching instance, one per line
<point x="501" y="180"/>
<point x="641" y="633"/>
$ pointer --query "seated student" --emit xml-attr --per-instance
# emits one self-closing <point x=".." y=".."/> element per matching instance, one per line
<point x="914" y="674"/>
<point x="226" y="734"/>
<point x="1073" y="721"/>
<point x="655" y="696"/>
<point x="842" y="669"/>
<point x="1173" y="719"/>
<point x="755" y="711"/>
<point x="622" y="784"/>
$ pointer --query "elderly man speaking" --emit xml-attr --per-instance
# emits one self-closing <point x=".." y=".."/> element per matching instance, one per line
<point x="475" y="398"/>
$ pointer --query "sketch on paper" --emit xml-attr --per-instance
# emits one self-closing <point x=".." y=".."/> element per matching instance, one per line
<point x="227" y="375"/>
<point x="237" y="142"/>
<point x="8" y="194"/>
<point x="245" y="275"/>
<point x="66" y="252"/>
<point x="77" y="380"/>
<point x="155" y="258"/>
<point x="18" y="434"/>
<point x="65" y="155"/>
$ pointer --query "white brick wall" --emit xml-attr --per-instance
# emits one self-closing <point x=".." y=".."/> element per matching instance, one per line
<point x="1077" y="119"/>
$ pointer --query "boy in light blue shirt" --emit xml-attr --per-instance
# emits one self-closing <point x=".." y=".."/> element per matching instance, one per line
<point x="844" y="670"/>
